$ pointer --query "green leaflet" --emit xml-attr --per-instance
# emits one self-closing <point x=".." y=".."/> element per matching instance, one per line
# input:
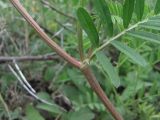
<point x="104" y="14"/>
<point x="54" y="109"/>
<point x="108" y="68"/>
<point x="157" y="8"/>
<point x="32" y="113"/>
<point x="139" y="8"/>
<point x="128" y="8"/>
<point x="88" y="26"/>
<point x="145" y="36"/>
<point x="131" y="53"/>
<point x="83" y="114"/>
<point x="157" y="17"/>
<point x="151" y="24"/>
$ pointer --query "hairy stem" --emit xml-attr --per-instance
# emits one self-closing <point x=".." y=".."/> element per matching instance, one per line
<point x="98" y="90"/>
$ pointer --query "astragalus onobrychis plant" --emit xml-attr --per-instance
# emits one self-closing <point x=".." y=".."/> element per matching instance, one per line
<point x="107" y="24"/>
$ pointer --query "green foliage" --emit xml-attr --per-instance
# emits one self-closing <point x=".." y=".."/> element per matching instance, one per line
<point x="128" y="9"/>
<point x="104" y="14"/>
<point x="84" y="113"/>
<point x="130" y="53"/>
<point x="49" y="74"/>
<point x="139" y="8"/>
<point x="147" y="111"/>
<point x="32" y="113"/>
<point x="151" y="24"/>
<point x="157" y="7"/>
<point x="53" y="108"/>
<point x="50" y="108"/>
<point x="130" y="29"/>
<point x="88" y="25"/>
<point x="108" y="68"/>
<point x="145" y="36"/>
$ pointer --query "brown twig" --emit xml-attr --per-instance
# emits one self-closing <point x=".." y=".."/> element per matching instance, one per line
<point x="4" y="59"/>
<point x="83" y="66"/>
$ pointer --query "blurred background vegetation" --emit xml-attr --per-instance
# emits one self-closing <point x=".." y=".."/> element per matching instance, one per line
<point x="137" y="98"/>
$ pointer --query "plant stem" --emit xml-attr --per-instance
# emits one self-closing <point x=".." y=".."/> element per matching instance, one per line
<point x="117" y="36"/>
<point x="80" y="36"/>
<point x="98" y="90"/>
<point x="81" y="66"/>
<point x="80" y="42"/>
<point x="43" y="35"/>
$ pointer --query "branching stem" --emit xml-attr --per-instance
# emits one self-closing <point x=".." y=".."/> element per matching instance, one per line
<point x="106" y="42"/>
<point x="83" y="66"/>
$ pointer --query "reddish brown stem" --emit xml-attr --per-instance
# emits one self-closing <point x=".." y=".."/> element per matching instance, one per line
<point x="98" y="90"/>
<point x="43" y="35"/>
<point x="82" y="66"/>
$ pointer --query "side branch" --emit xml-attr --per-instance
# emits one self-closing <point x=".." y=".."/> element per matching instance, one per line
<point x="108" y="41"/>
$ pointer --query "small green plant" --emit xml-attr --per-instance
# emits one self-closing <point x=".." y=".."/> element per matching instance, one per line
<point x="113" y="24"/>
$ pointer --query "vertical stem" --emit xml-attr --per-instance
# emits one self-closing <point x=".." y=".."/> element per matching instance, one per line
<point x="98" y="90"/>
<point x="80" y="41"/>
<point x="80" y="36"/>
<point x="26" y="37"/>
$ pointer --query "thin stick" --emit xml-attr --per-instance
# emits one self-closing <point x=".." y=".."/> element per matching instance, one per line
<point x="28" y="90"/>
<point x="29" y="58"/>
<point x="23" y="78"/>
